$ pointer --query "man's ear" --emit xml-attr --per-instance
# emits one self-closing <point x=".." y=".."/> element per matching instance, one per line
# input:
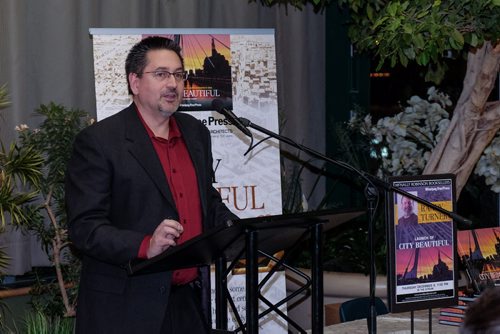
<point x="133" y="80"/>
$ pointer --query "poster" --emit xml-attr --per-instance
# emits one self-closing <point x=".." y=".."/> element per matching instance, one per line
<point x="422" y="270"/>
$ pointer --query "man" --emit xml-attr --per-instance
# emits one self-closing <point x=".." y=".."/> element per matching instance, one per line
<point x="138" y="183"/>
<point x="409" y="218"/>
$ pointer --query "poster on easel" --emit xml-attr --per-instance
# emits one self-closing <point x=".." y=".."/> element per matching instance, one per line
<point x="236" y="66"/>
<point x="422" y="270"/>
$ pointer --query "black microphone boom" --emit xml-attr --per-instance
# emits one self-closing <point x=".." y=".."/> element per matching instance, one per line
<point x="218" y="105"/>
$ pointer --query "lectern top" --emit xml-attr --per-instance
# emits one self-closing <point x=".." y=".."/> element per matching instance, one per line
<point x="276" y="233"/>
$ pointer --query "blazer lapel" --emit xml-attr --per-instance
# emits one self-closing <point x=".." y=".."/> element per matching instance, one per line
<point x="140" y="147"/>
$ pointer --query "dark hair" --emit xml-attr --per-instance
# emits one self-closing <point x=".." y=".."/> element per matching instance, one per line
<point x="137" y="57"/>
<point x="483" y="315"/>
<point x="403" y="197"/>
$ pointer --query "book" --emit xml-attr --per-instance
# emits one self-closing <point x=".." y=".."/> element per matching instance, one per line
<point x="452" y="321"/>
<point x="479" y="252"/>
<point x="454" y="315"/>
<point x="452" y="312"/>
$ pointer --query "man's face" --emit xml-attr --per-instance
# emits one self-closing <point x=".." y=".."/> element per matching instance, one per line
<point x="407" y="206"/>
<point x="155" y="94"/>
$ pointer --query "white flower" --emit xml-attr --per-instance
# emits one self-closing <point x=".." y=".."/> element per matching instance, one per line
<point x="404" y="142"/>
<point x="489" y="164"/>
<point x="21" y="127"/>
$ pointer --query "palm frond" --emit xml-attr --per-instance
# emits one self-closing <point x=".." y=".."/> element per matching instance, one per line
<point x="4" y="97"/>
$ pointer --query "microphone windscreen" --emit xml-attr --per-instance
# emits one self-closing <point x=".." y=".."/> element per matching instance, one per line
<point x="217" y="105"/>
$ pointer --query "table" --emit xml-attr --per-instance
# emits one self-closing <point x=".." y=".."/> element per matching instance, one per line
<point x="396" y="323"/>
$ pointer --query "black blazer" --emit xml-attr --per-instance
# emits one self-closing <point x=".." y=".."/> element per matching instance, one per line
<point x="116" y="194"/>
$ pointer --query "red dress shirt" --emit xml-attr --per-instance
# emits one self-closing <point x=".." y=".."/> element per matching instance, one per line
<point x="183" y="184"/>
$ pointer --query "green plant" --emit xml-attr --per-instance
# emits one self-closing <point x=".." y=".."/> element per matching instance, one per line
<point x="53" y="142"/>
<point x="4" y="97"/>
<point x="8" y="323"/>
<point x="319" y="5"/>
<point x="41" y="323"/>
<point x="18" y="167"/>
<point x="428" y="33"/>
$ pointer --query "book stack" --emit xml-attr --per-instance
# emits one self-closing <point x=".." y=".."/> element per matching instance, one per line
<point x="454" y="315"/>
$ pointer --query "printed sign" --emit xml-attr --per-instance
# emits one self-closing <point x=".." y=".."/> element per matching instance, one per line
<point x="421" y="244"/>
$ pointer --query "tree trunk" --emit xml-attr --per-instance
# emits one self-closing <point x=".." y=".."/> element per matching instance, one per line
<point x="475" y="121"/>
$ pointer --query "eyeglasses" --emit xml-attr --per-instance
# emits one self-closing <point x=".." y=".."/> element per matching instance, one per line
<point x="162" y="75"/>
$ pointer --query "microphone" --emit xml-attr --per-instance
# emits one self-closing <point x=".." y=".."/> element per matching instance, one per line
<point x="218" y="105"/>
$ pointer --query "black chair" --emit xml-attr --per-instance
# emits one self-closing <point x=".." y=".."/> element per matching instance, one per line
<point x="358" y="308"/>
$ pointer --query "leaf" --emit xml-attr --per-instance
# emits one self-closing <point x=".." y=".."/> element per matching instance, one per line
<point x="436" y="75"/>
<point x="458" y="38"/>
<point x="422" y="14"/>
<point x="496" y="3"/>
<point x="393" y="60"/>
<point x="408" y="28"/>
<point x="403" y="59"/>
<point x="423" y="58"/>
<point x="379" y="22"/>
<point x="409" y="52"/>
<point x="436" y="3"/>
<point x="392" y="8"/>
<point x="418" y="40"/>
<point x="453" y="43"/>
<point x="473" y="38"/>
<point x="369" y="12"/>
<point x="394" y="24"/>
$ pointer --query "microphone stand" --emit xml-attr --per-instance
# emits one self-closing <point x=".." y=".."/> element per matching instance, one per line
<point x="372" y="197"/>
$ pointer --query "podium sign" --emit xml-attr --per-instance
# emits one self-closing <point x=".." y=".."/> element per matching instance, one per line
<point x="274" y="291"/>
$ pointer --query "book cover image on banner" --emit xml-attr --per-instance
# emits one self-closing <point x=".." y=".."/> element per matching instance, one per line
<point x="421" y="248"/>
<point x="207" y="59"/>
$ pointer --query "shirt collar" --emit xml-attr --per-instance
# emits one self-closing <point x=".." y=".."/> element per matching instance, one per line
<point x="173" y="129"/>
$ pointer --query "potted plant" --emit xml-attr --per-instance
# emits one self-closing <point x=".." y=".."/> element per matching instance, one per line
<point x="52" y="141"/>
<point x="32" y="192"/>
<point x="18" y="167"/>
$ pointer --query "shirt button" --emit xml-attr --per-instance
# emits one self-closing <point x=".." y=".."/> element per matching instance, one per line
<point x="174" y="170"/>
<point x="163" y="289"/>
<point x="180" y="195"/>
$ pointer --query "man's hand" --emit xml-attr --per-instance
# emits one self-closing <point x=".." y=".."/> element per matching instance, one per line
<point x="164" y="237"/>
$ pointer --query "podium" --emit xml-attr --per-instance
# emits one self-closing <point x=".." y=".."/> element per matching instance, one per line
<point x="248" y="239"/>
